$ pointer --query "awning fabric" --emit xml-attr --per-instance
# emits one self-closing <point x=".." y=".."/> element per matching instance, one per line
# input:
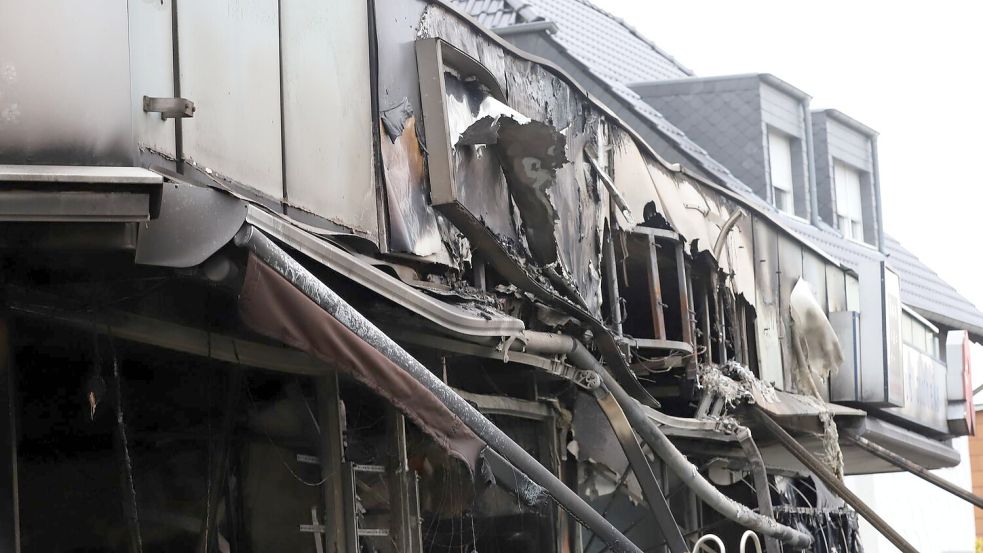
<point x="270" y="305"/>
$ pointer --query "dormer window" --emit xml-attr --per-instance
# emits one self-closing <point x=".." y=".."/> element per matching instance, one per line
<point x="849" y="202"/>
<point x="780" y="168"/>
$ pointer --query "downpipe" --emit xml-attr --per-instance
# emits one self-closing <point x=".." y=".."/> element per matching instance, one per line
<point x="498" y="443"/>
<point x="577" y="354"/>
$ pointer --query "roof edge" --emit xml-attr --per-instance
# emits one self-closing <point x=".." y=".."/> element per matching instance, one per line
<point x="975" y="332"/>
<point x="842" y="118"/>
<point x="766" y="78"/>
<point x="648" y="42"/>
<point x="543" y="25"/>
<point x="752" y="205"/>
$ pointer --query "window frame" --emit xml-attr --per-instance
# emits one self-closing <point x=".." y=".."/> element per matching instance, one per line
<point x="851" y="226"/>
<point x="782" y="197"/>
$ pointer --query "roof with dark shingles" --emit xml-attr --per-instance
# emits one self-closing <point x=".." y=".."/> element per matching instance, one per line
<point x="619" y="55"/>
<point x="925" y="291"/>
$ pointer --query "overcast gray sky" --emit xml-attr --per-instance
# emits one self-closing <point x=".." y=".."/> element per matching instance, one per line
<point x="912" y="71"/>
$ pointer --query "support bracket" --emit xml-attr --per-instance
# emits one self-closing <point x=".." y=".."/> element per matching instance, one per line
<point x="169" y="108"/>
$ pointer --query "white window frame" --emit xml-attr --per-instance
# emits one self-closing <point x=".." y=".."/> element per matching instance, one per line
<point x="848" y="185"/>
<point x="780" y="170"/>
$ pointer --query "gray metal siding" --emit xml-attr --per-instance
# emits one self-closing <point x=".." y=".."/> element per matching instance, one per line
<point x="151" y="72"/>
<point x="64" y="82"/>
<point x="849" y="146"/>
<point x="233" y="76"/>
<point x="782" y="111"/>
<point x="327" y="111"/>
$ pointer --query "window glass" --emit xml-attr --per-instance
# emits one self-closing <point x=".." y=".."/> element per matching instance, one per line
<point x="917" y="335"/>
<point x="849" y="207"/>
<point x="780" y="165"/>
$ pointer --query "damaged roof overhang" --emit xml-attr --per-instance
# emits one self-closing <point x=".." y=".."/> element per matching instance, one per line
<point x="929" y="453"/>
<point x="452" y="318"/>
<point x="750" y="204"/>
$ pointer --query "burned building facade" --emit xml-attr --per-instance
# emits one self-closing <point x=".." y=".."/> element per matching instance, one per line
<point x="312" y="277"/>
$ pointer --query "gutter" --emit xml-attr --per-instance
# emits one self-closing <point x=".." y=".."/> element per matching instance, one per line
<point x="811" y="167"/>
<point x="877" y="194"/>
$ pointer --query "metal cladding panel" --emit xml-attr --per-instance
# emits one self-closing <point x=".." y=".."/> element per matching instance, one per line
<point x="852" y="293"/>
<point x="849" y="145"/>
<point x="327" y="111"/>
<point x="396" y="27"/>
<point x="64" y="83"/>
<point x="814" y="272"/>
<point x="959" y="382"/>
<point x="151" y="72"/>
<point x="230" y="69"/>
<point x="924" y="389"/>
<point x="893" y="361"/>
<point x="873" y="389"/>
<point x="844" y="385"/>
<point x="836" y="289"/>
<point x="477" y="182"/>
<point x="782" y="111"/>
<point x="768" y="320"/>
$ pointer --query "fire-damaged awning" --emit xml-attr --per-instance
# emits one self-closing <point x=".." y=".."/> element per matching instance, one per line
<point x="283" y="300"/>
<point x="272" y="306"/>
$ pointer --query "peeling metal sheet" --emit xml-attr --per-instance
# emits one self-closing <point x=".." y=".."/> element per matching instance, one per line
<point x="581" y="205"/>
<point x="530" y="152"/>
<point x="478" y="178"/>
<point x="412" y="222"/>
<point x="234" y="78"/>
<point x="512" y="173"/>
